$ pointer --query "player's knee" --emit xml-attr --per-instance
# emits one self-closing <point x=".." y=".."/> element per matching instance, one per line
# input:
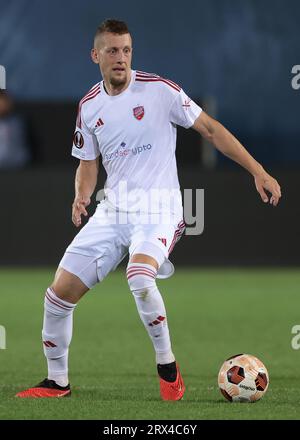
<point x="141" y="278"/>
<point x="67" y="286"/>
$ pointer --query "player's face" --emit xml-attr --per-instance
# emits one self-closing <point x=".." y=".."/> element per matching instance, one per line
<point x="113" y="53"/>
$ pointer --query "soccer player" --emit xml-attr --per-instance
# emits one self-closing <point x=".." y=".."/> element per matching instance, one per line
<point x="129" y="118"/>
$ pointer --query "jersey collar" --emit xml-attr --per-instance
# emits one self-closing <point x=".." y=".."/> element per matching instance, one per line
<point x="114" y="97"/>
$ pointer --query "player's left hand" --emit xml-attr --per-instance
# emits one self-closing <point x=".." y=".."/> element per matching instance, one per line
<point x="264" y="182"/>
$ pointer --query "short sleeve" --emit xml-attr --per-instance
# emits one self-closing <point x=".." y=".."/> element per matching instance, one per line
<point x="85" y="145"/>
<point x="184" y="111"/>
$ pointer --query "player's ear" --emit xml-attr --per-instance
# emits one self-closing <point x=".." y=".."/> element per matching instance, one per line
<point x="94" y="56"/>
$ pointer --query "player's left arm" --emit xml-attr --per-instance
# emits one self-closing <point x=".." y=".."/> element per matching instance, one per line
<point x="227" y="144"/>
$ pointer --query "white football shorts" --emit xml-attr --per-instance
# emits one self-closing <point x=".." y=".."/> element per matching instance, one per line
<point x="110" y="235"/>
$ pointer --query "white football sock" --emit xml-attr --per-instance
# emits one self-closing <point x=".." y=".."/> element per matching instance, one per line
<point x="57" y="335"/>
<point x="151" y="308"/>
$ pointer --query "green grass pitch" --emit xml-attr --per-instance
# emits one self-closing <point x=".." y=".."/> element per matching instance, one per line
<point x="212" y="314"/>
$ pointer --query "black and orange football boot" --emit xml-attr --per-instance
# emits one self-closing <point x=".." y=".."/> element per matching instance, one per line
<point x="47" y="388"/>
<point x="170" y="381"/>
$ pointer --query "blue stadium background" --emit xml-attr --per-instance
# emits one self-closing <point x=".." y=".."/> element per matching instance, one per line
<point x="240" y="52"/>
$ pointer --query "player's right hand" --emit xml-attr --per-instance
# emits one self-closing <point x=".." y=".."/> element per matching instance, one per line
<point x="78" y="209"/>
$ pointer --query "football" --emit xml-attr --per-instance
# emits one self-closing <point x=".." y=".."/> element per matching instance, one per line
<point x="243" y="378"/>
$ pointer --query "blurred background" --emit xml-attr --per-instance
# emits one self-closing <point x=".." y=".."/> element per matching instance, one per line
<point x="234" y="58"/>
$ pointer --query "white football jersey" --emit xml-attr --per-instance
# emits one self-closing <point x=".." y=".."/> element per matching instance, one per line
<point x="135" y="133"/>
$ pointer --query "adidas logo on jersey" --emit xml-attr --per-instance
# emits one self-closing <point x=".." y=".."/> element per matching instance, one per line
<point x="163" y="240"/>
<point x="99" y="123"/>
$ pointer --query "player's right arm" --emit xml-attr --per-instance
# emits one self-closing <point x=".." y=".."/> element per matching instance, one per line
<point x="85" y="147"/>
<point x="85" y="184"/>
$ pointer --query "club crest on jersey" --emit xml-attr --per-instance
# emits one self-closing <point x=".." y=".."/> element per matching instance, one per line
<point x="78" y="140"/>
<point x="138" y="112"/>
